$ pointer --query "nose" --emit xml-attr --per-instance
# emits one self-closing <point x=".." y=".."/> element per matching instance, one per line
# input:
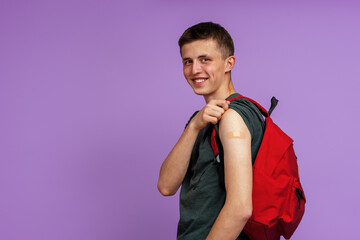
<point x="196" y="67"/>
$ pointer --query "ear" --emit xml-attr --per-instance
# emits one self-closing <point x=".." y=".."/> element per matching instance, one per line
<point x="230" y="63"/>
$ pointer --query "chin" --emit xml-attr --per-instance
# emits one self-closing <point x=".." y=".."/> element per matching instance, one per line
<point x="200" y="92"/>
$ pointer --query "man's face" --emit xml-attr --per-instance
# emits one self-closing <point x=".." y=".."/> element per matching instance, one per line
<point x="204" y="67"/>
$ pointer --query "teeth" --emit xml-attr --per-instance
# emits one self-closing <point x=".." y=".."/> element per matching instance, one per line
<point x="199" y="80"/>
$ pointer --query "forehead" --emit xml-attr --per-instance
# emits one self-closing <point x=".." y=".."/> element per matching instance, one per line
<point x="200" y="47"/>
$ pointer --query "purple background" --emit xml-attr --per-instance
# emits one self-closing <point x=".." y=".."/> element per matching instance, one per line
<point x="92" y="99"/>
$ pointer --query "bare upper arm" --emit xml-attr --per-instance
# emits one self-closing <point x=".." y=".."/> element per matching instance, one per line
<point x="236" y="140"/>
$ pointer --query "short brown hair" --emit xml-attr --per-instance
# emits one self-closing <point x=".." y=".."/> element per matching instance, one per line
<point x="209" y="30"/>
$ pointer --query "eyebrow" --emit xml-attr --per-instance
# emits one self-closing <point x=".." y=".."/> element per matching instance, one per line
<point x="201" y="56"/>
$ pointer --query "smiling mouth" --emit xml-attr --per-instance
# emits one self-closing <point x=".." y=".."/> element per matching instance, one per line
<point x="199" y="81"/>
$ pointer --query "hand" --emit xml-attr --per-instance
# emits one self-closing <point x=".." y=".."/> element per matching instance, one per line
<point x="211" y="113"/>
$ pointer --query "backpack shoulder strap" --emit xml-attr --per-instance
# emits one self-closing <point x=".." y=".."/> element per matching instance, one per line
<point x="274" y="102"/>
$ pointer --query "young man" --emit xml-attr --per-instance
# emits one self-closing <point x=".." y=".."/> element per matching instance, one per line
<point x="213" y="205"/>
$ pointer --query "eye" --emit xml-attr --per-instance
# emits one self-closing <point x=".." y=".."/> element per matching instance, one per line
<point x="205" y="60"/>
<point x="187" y="62"/>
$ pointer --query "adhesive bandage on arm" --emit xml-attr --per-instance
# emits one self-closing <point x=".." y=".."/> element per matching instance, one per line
<point x="237" y="134"/>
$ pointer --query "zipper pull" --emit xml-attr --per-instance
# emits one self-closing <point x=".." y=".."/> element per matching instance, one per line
<point x="299" y="196"/>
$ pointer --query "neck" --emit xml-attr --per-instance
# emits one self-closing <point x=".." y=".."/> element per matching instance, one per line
<point x="221" y="94"/>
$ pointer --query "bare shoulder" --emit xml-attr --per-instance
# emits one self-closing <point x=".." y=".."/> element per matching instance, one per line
<point x="231" y="119"/>
<point x="230" y="113"/>
<point x="232" y="127"/>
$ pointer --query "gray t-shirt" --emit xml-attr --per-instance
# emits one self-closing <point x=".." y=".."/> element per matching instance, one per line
<point x="203" y="193"/>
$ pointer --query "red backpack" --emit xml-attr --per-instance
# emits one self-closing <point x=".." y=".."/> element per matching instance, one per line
<point x="278" y="198"/>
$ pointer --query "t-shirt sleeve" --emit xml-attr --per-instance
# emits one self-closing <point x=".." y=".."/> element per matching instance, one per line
<point x="191" y="118"/>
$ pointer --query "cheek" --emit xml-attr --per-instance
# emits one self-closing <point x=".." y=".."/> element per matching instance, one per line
<point x="186" y="71"/>
<point x="218" y="69"/>
<point x="210" y="70"/>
